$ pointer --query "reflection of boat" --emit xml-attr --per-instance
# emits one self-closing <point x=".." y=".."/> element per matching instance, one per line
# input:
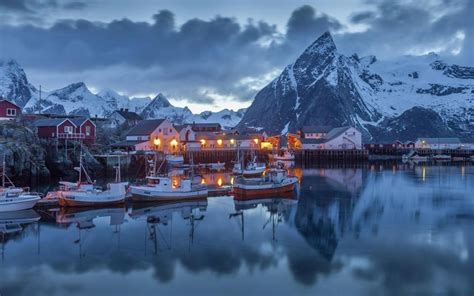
<point x="162" y="212"/>
<point x="174" y="159"/>
<point x="85" y="194"/>
<point x="19" y="217"/>
<point x="274" y="182"/>
<point x="441" y="157"/>
<point x="278" y="207"/>
<point x="85" y="216"/>
<point x="285" y="156"/>
<point x="162" y="188"/>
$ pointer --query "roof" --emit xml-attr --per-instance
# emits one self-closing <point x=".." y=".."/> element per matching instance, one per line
<point x="10" y="102"/>
<point x="440" y="140"/>
<point x="145" y="127"/>
<point x="129" y="115"/>
<point x="127" y="143"/>
<point x="320" y="129"/>
<point x="51" y="122"/>
<point x="179" y="127"/>
<point x="332" y="134"/>
<point x="205" y="125"/>
<point x="80" y="121"/>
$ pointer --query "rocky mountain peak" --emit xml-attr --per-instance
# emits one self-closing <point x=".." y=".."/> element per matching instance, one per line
<point x="14" y="85"/>
<point x="160" y="101"/>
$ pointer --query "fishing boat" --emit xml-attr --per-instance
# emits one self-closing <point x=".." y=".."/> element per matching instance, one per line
<point x="13" y="198"/>
<point x="237" y="169"/>
<point x="217" y="166"/>
<point x="275" y="182"/>
<point x="174" y="159"/>
<point x="414" y="157"/>
<point x="162" y="188"/>
<point x="441" y="157"/>
<point x="85" y="194"/>
<point x="254" y="168"/>
<point x="285" y="156"/>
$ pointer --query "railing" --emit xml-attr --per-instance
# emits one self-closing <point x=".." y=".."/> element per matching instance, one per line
<point x="71" y="136"/>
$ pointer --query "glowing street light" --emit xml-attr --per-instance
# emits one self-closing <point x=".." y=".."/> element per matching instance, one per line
<point x="219" y="142"/>
<point x="203" y="142"/>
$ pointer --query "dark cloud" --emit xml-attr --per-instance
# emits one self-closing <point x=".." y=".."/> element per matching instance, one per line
<point x="185" y="60"/>
<point x="412" y="27"/>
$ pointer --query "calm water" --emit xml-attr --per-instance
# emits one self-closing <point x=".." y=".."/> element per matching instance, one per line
<point x="392" y="231"/>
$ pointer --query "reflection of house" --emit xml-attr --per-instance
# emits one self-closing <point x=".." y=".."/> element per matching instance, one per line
<point x="122" y="117"/>
<point x="438" y="143"/>
<point x="8" y="110"/>
<point x="155" y="134"/>
<point x="66" y="129"/>
<point x="323" y="137"/>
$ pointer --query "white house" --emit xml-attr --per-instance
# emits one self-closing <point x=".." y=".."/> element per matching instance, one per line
<point x="147" y="135"/>
<point x="438" y="143"/>
<point x="331" y="138"/>
<point x="121" y="117"/>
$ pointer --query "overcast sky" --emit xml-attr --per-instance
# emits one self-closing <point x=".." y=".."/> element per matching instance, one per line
<point x="211" y="54"/>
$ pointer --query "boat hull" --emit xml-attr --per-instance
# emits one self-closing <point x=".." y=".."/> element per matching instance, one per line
<point x="150" y="195"/>
<point x="18" y="203"/>
<point x="261" y="192"/>
<point x="67" y="202"/>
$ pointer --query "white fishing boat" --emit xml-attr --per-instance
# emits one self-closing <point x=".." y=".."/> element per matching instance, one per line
<point x="285" y="156"/>
<point x="237" y="169"/>
<point x="441" y="157"/>
<point x="85" y="194"/>
<point x="275" y="182"/>
<point x="254" y="168"/>
<point x="174" y="159"/>
<point x="13" y="198"/>
<point x="160" y="188"/>
<point x="217" y="166"/>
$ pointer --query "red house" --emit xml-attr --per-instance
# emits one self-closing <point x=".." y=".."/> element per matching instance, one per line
<point x="66" y="129"/>
<point x="8" y="110"/>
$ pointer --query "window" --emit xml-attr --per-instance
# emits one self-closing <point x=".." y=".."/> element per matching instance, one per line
<point x="68" y="129"/>
<point x="88" y="130"/>
<point x="11" y="112"/>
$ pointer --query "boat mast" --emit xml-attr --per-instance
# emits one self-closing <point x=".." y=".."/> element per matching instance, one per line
<point x="3" y="170"/>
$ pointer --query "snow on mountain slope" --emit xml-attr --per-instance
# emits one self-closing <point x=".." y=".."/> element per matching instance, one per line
<point x="324" y="87"/>
<point x="14" y="85"/>
<point x="116" y="101"/>
<point x="227" y="118"/>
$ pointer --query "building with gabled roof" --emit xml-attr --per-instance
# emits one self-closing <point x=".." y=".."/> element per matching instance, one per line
<point x="151" y="134"/>
<point x="331" y="138"/>
<point x="122" y="117"/>
<point x="438" y="143"/>
<point x="82" y="129"/>
<point x="9" y="110"/>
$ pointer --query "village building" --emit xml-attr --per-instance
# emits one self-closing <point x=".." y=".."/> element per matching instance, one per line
<point x="438" y="143"/>
<point x="82" y="129"/>
<point x="8" y="110"/>
<point x="323" y="137"/>
<point x="123" y="117"/>
<point x="151" y="135"/>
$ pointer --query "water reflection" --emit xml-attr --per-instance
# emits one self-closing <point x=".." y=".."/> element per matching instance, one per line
<point x="382" y="230"/>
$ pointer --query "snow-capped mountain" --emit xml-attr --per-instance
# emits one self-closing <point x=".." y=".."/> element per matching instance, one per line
<point x="325" y="87"/>
<point x="77" y="99"/>
<point x="13" y="83"/>
<point x="160" y="107"/>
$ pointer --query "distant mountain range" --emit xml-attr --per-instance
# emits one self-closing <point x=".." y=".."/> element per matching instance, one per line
<point x="77" y="99"/>
<point x="405" y="98"/>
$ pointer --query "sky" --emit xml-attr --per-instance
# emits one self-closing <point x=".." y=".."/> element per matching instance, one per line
<point x="215" y="54"/>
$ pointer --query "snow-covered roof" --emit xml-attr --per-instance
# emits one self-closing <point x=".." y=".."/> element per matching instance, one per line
<point x="128" y="115"/>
